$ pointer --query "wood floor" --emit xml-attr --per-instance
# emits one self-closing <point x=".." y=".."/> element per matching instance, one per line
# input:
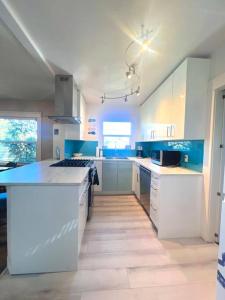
<point x="121" y="259"/>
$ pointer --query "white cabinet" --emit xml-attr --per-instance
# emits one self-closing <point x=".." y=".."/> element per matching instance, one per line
<point x="136" y="180"/>
<point x="175" y="205"/>
<point x="176" y="110"/>
<point x="82" y="216"/>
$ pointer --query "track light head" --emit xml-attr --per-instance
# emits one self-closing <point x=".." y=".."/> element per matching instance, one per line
<point x="125" y="99"/>
<point x="128" y="74"/>
<point x="138" y="91"/>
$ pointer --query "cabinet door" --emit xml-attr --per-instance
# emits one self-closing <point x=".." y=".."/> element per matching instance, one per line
<point x="137" y="186"/>
<point x="109" y="176"/>
<point x="164" y="102"/>
<point x="124" y="176"/>
<point x="179" y="99"/>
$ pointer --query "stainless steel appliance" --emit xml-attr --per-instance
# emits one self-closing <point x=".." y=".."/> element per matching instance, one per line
<point x="93" y="176"/>
<point x="165" y="157"/>
<point x="145" y="185"/>
<point x="67" y="100"/>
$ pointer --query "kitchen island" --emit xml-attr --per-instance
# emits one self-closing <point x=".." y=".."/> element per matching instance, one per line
<point x="46" y="217"/>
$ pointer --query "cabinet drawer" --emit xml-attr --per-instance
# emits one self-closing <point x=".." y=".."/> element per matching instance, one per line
<point x="155" y="180"/>
<point x="154" y="194"/>
<point x="83" y="209"/>
<point x="154" y="215"/>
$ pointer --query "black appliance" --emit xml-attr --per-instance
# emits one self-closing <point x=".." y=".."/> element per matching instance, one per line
<point x="145" y="185"/>
<point x="93" y="176"/>
<point x="165" y="158"/>
<point x="139" y="152"/>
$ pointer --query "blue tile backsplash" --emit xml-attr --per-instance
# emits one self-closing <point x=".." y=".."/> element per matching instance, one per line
<point x="87" y="148"/>
<point x="119" y="152"/>
<point x="193" y="148"/>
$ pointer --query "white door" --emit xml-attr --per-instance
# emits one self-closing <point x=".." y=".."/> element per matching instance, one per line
<point x="221" y="170"/>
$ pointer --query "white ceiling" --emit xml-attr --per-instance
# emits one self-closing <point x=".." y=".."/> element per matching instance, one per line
<point x="88" y="38"/>
<point x="21" y="76"/>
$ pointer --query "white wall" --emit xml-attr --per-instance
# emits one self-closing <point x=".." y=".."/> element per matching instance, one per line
<point x="113" y="112"/>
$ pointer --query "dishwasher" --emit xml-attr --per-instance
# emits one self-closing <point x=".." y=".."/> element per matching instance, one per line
<point x="145" y="187"/>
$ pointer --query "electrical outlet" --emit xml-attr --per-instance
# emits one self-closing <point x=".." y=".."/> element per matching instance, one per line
<point x="186" y="158"/>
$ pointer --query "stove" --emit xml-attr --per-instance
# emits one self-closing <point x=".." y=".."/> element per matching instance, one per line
<point x="73" y="163"/>
<point x="93" y="176"/>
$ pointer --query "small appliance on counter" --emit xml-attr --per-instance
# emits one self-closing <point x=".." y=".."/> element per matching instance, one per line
<point x="165" y="157"/>
<point x="139" y="152"/>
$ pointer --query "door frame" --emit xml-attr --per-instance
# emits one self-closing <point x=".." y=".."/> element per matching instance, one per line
<point x="211" y="173"/>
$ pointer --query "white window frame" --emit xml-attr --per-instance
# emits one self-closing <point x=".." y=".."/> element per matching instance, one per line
<point x="27" y="115"/>
<point x="116" y="135"/>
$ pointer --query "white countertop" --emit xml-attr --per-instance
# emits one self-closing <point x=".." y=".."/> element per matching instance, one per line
<point x="40" y="173"/>
<point x="146" y="162"/>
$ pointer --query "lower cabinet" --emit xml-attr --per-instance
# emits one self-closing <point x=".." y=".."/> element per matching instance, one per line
<point x="175" y="205"/>
<point x="83" y="211"/>
<point x="136" y="180"/>
<point x="117" y="177"/>
<point x="109" y="176"/>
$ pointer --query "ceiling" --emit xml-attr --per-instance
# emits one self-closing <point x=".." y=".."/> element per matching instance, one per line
<point x="21" y="76"/>
<point x="88" y="38"/>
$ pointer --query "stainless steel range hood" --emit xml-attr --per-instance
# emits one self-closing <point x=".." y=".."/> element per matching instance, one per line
<point x="67" y="100"/>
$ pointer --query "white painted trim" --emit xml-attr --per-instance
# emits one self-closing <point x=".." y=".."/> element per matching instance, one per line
<point x="217" y="85"/>
<point x="28" y="115"/>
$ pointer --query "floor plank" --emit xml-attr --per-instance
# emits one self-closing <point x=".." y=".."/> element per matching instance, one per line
<point x="121" y="258"/>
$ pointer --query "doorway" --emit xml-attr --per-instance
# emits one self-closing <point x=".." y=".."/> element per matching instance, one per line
<point x="218" y="162"/>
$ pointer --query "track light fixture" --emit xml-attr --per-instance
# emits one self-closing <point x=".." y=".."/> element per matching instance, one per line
<point x="143" y="40"/>
<point x="125" y="97"/>
<point x="131" y="71"/>
<point x="138" y="91"/>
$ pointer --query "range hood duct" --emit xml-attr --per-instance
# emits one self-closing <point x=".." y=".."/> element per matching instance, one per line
<point x="67" y="101"/>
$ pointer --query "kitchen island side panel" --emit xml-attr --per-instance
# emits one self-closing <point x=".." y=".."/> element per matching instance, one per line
<point x="42" y="226"/>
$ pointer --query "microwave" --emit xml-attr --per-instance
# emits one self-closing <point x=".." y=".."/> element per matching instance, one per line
<point x="165" y="158"/>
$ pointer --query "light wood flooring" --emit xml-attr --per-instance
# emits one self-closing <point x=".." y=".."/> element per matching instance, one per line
<point x="122" y="259"/>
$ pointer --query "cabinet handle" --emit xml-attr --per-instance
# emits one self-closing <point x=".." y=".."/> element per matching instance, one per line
<point x="137" y="177"/>
<point x="155" y="209"/>
<point x="154" y="188"/>
<point x="167" y="131"/>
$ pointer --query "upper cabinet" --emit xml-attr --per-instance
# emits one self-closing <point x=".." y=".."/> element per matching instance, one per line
<point x="176" y="110"/>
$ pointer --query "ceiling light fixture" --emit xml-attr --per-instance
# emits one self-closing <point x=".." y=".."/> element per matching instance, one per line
<point x="131" y="71"/>
<point x="143" y="40"/>
<point x="125" y="97"/>
<point x="138" y="91"/>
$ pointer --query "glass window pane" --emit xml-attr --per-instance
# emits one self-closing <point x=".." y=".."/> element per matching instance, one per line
<point x="116" y="128"/>
<point x="116" y="142"/>
<point x="18" y="140"/>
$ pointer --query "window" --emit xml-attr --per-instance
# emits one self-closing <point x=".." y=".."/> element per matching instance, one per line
<point x="18" y="140"/>
<point x="116" y="135"/>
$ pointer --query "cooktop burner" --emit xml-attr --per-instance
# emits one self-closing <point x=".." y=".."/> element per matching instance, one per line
<point x="73" y="163"/>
